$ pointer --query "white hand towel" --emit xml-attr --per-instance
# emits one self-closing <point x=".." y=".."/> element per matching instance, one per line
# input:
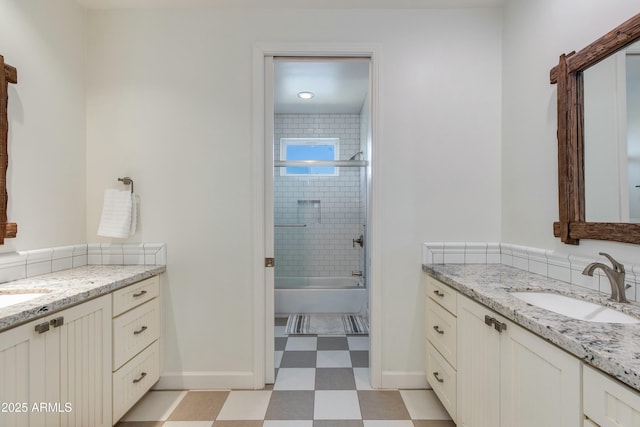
<point x="116" y="214"/>
<point x="135" y="206"/>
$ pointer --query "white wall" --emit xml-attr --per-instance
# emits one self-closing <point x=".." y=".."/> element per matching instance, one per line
<point x="536" y="33"/>
<point x="46" y="180"/>
<point x="169" y="103"/>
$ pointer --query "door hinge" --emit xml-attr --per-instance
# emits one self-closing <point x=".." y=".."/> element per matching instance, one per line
<point x="269" y="262"/>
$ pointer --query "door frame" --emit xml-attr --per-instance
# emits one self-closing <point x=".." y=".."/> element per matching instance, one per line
<point x="263" y="322"/>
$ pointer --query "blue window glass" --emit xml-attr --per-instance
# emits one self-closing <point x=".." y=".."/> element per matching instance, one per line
<point x="292" y="149"/>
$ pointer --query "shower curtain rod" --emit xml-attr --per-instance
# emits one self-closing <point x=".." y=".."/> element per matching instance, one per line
<point x="321" y="163"/>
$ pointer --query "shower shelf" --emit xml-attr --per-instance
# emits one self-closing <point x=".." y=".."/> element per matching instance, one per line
<point x="290" y="225"/>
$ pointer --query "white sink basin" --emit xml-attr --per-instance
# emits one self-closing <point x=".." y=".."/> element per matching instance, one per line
<point x="575" y="308"/>
<point x="7" y="299"/>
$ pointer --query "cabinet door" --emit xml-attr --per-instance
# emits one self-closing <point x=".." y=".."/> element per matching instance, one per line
<point x="608" y="402"/>
<point x="79" y="362"/>
<point x="442" y="330"/>
<point x="443" y="379"/>
<point x="540" y="384"/>
<point x="442" y="294"/>
<point x="134" y="379"/>
<point x="478" y="367"/>
<point x="22" y="364"/>
<point x="134" y="330"/>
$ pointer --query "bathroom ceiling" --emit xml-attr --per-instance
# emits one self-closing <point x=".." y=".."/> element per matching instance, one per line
<point x="339" y="85"/>
<point x="301" y="4"/>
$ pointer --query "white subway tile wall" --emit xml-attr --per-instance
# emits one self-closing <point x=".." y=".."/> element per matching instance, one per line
<point x="331" y="207"/>
<point x="23" y="264"/>
<point x="564" y="267"/>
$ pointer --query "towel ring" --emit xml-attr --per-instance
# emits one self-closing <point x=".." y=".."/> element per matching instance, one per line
<point x="127" y="181"/>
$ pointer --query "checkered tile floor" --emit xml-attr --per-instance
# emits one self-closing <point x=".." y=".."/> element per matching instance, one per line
<point x="320" y="382"/>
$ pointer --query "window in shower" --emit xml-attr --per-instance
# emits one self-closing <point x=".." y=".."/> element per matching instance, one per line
<point x="312" y="150"/>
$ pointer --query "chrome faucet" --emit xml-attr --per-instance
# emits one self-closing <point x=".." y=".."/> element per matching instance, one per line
<point x="615" y="275"/>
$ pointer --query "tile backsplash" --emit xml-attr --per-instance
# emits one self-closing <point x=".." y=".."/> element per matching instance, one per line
<point x="548" y="263"/>
<point x="24" y="264"/>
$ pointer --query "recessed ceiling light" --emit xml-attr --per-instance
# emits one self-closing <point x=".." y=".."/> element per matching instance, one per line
<point x="305" y="95"/>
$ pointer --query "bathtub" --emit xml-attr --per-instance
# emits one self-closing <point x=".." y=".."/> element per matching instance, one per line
<point x="307" y="295"/>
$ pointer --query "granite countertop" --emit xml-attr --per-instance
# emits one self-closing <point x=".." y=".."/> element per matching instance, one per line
<point x="69" y="287"/>
<point x="614" y="348"/>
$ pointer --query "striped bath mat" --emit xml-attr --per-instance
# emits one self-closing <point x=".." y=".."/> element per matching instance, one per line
<point x="326" y="324"/>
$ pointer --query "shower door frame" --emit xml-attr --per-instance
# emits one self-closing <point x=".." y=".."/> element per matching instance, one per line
<point x="262" y="167"/>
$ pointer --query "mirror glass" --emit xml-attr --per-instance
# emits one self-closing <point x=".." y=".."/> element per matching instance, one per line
<point x="612" y="138"/>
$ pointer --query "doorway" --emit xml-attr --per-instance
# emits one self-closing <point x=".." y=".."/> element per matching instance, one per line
<point x="318" y="220"/>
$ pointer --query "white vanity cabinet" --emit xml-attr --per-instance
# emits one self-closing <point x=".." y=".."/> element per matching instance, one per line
<point x="136" y="350"/>
<point x="83" y="366"/>
<point x="441" y="327"/>
<point x="539" y="382"/>
<point x="505" y="375"/>
<point x="478" y="366"/>
<point x="607" y="402"/>
<point x="22" y="363"/>
<point x="508" y="376"/>
<point x="56" y="370"/>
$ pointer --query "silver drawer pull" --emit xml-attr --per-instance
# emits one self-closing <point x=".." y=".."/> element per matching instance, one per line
<point x="490" y="321"/>
<point x="142" y="375"/>
<point x="437" y="377"/>
<point x="438" y="330"/>
<point x="139" y="331"/>
<point x="438" y="293"/>
<point x="499" y="326"/>
<point x="57" y="322"/>
<point x="139" y="294"/>
<point x="42" y="327"/>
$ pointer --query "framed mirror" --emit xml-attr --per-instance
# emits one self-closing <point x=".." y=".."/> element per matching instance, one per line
<point x="598" y="131"/>
<point x="8" y="74"/>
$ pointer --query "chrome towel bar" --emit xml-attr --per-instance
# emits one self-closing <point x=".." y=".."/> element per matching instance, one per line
<point x="127" y="181"/>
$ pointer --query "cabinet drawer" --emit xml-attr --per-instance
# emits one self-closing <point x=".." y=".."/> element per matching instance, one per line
<point x="442" y="294"/>
<point x="441" y="330"/>
<point x="608" y="402"/>
<point x="134" y="379"/>
<point x="134" y="330"/>
<point x="442" y="378"/>
<point x="133" y="295"/>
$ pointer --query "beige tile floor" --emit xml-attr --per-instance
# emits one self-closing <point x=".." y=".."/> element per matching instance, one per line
<point x="320" y="382"/>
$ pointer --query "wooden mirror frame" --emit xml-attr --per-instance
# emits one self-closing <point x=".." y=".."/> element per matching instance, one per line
<point x="568" y="74"/>
<point x="8" y="74"/>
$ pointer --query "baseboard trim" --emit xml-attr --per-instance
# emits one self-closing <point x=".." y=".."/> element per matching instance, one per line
<point x="244" y="380"/>
<point x="205" y="380"/>
<point x="404" y="380"/>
